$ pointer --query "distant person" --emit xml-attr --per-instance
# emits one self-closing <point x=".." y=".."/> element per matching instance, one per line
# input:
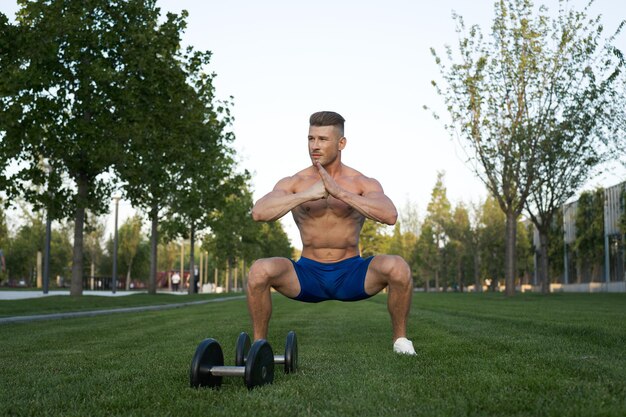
<point x="175" y="281"/>
<point x="196" y="278"/>
<point x="329" y="202"/>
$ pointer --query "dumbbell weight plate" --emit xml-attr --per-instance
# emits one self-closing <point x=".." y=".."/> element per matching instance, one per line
<point x="291" y="353"/>
<point x="242" y="348"/>
<point x="208" y="354"/>
<point x="259" y="364"/>
<point x="289" y="360"/>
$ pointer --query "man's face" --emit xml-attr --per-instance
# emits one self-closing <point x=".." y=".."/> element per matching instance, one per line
<point x="325" y="142"/>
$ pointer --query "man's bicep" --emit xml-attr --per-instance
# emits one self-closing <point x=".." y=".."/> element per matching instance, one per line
<point x="372" y="189"/>
<point x="283" y="187"/>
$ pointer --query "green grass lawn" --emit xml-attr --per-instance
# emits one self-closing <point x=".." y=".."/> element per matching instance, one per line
<point x="63" y="303"/>
<point x="479" y="354"/>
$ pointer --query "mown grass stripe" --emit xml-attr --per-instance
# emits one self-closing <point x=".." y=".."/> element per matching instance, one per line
<point x="64" y="303"/>
<point x="93" y="313"/>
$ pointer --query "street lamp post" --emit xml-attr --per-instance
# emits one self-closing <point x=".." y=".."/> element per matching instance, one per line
<point x="116" y="200"/>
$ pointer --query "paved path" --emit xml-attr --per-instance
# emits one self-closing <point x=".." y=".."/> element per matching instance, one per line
<point x="54" y="316"/>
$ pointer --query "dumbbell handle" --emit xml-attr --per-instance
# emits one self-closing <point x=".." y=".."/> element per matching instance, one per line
<point x="277" y="359"/>
<point x="225" y="370"/>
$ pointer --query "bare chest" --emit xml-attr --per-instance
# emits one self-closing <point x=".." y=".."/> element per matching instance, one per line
<point x="324" y="208"/>
<point x="329" y="207"/>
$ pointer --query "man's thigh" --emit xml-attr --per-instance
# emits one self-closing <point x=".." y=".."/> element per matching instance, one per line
<point x="378" y="273"/>
<point x="281" y="275"/>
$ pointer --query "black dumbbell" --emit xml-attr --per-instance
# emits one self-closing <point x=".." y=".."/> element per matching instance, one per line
<point x="207" y="365"/>
<point x="290" y="359"/>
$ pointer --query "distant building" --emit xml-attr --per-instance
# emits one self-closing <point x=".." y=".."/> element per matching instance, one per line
<point x="612" y="270"/>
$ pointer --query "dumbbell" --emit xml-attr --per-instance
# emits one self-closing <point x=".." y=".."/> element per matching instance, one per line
<point x="207" y="365"/>
<point x="290" y="359"/>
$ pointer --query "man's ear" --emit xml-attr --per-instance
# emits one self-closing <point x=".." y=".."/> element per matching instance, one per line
<point x="342" y="142"/>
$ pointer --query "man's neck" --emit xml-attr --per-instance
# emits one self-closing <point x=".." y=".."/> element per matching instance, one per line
<point x="335" y="168"/>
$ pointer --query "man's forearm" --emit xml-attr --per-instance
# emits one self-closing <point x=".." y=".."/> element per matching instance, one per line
<point x="379" y="208"/>
<point x="271" y="208"/>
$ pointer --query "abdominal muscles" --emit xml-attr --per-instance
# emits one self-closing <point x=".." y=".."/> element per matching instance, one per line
<point x="329" y="230"/>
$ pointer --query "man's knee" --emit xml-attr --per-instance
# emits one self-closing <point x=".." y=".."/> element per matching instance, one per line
<point x="264" y="272"/>
<point x="259" y="274"/>
<point x="398" y="271"/>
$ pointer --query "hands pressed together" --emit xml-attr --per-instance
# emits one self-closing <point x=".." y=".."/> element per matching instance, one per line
<point x="325" y="186"/>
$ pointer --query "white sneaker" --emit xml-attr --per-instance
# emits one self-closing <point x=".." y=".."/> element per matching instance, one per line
<point x="404" y="346"/>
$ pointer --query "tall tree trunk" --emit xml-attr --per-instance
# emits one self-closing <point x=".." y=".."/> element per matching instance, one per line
<point x="227" y="278"/>
<point x="192" y="273"/>
<point x="509" y="252"/>
<point x="76" y="289"/>
<point x="130" y="266"/>
<point x="182" y="264"/>
<point x="93" y="274"/>
<point x="154" y="240"/>
<point x="478" y="286"/>
<point x="544" y="262"/>
<point x="201" y="269"/>
<point x="244" y="275"/>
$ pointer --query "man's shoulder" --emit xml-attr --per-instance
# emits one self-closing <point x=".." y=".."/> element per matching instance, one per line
<point x="306" y="173"/>
<point x="292" y="182"/>
<point x="361" y="181"/>
<point x="303" y="175"/>
<point x="356" y="175"/>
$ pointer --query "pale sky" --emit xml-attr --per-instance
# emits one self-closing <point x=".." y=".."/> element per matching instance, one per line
<point x="368" y="60"/>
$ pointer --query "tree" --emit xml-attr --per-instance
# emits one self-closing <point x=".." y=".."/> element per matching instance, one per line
<point x="233" y="231"/>
<point x="129" y="240"/>
<point x="21" y="256"/>
<point x="491" y="231"/>
<point x="555" y="247"/>
<point x="140" y="270"/>
<point x="94" y="235"/>
<point x="4" y="238"/>
<point x="475" y="245"/>
<point x="511" y="101"/>
<point x="372" y="241"/>
<point x="409" y="219"/>
<point x="589" y="243"/>
<point x="61" y="247"/>
<point x="410" y="229"/>
<point x="437" y="219"/>
<point x="204" y="169"/>
<point x="62" y="98"/>
<point x="211" y="187"/>
<point x="459" y="257"/>
<point x="172" y="126"/>
<point x="273" y="241"/>
<point x="524" y="250"/>
<point x="212" y="195"/>
<point x="426" y="255"/>
<point x="576" y="120"/>
<point x="168" y="253"/>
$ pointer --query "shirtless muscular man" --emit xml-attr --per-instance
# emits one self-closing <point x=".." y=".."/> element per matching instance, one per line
<point x="329" y="202"/>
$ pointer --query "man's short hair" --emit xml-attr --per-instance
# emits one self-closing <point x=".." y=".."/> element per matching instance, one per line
<point x="327" y="118"/>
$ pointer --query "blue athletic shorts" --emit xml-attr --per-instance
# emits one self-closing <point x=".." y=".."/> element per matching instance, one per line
<point x="343" y="280"/>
